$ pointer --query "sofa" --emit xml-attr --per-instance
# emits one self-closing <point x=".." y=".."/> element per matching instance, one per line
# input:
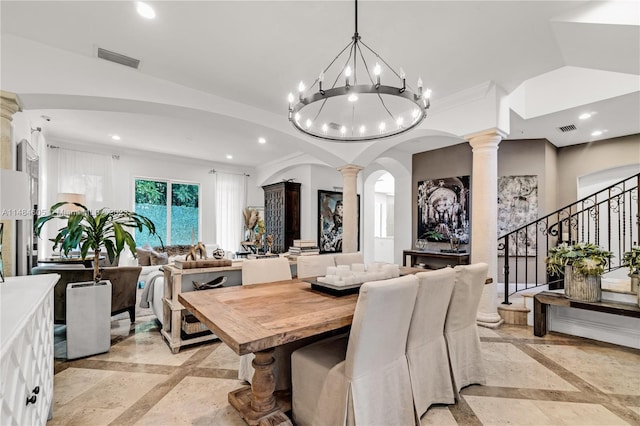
<point x="157" y="257"/>
<point x="124" y="281"/>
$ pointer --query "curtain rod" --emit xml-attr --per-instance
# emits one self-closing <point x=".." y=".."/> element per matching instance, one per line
<point x="214" y="171"/>
<point x="113" y="156"/>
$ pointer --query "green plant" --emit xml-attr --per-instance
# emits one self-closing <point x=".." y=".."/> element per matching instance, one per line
<point x="631" y="259"/>
<point x="433" y="235"/>
<point x="89" y="231"/>
<point x="586" y="258"/>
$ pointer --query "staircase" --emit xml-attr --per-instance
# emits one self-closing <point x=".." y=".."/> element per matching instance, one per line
<point x="608" y="218"/>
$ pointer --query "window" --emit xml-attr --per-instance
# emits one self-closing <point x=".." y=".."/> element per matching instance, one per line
<point x="173" y="208"/>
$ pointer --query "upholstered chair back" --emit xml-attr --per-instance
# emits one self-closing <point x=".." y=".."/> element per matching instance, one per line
<point x="466" y="295"/>
<point x="348" y="258"/>
<point x="256" y="271"/>
<point x="315" y="265"/>
<point x="380" y="325"/>
<point x="426" y="347"/>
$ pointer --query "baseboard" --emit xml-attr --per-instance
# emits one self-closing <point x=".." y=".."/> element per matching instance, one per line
<point x="624" y="331"/>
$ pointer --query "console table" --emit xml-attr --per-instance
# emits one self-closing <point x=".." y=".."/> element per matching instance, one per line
<point x="172" y="308"/>
<point x="542" y="300"/>
<point x="434" y="259"/>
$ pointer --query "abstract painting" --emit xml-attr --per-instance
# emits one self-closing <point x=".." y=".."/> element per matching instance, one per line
<point x="517" y="206"/>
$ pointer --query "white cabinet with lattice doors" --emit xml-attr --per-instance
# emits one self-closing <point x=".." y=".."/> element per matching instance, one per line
<point x="26" y="349"/>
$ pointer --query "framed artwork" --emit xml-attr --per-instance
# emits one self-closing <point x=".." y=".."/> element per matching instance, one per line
<point x="330" y="221"/>
<point x="443" y="209"/>
<point x="517" y="206"/>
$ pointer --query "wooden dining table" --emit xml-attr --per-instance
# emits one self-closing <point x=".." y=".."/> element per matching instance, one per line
<point x="258" y="318"/>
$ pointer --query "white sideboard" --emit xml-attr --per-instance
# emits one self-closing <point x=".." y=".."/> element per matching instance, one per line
<point x="26" y="349"/>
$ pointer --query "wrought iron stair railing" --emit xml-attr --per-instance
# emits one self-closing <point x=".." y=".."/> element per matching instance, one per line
<point x="608" y="218"/>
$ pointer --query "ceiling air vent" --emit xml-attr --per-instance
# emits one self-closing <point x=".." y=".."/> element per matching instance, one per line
<point x="118" y="58"/>
<point x="568" y="128"/>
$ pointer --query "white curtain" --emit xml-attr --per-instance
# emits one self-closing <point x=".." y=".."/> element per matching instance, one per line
<point x="88" y="174"/>
<point x="231" y="195"/>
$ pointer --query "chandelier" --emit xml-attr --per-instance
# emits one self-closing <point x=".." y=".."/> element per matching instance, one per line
<point x="350" y="103"/>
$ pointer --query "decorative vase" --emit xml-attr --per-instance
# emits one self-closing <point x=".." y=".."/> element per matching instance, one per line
<point x="584" y="288"/>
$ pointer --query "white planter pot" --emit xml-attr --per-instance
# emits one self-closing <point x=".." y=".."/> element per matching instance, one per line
<point x="584" y="288"/>
<point x="88" y="318"/>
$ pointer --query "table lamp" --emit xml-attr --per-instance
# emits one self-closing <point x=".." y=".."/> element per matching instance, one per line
<point x="70" y="198"/>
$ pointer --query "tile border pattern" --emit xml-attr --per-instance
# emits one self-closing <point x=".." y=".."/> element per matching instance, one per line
<point x="618" y="404"/>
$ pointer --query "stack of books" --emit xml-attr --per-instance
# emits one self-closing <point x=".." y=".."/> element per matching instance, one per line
<point x="303" y="248"/>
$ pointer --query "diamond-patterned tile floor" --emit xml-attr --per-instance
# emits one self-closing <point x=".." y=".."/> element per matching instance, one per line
<point x="555" y="380"/>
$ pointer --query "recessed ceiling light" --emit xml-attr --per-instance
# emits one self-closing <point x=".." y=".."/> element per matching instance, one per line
<point x="229" y="157"/>
<point x="584" y="116"/>
<point x="115" y="137"/>
<point x="145" y="10"/>
<point x="596" y="133"/>
<point x="262" y="140"/>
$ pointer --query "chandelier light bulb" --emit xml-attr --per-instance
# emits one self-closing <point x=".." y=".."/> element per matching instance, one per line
<point x="403" y="75"/>
<point x="301" y="87"/>
<point x="347" y="71"/>
<point x="325" y="128"/>
<point x="427" y="94"/>
<point x="145" y="10"/>
<point x="362" y="130"/>
<point x="308" y="123"/>
<point x="382" y="126"/>
<point x="415" y="113"/>
<point x="352" y="97"/>
<point x="290" y="98"/>
<point x="377" y="69"/>
<point x="321" y="77"/>
<point x="343" y="130"/>
<point x="419" y="83"/>
<point x="297" y="116"/>
<point x="399" y="121"/>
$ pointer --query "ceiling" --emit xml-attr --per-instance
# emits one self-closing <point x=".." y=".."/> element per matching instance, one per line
<point x="214" y="75"/>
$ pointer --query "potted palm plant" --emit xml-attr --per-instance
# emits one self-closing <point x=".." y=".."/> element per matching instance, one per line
<point x="582" y="265"/>
<point x="104" y="229"/>
<point x="631" y="259"/>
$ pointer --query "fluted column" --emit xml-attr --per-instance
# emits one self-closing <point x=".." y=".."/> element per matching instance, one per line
<point x="484" y="222"/>
<point x="350" y="207"/>
<point x="9" y="105"/>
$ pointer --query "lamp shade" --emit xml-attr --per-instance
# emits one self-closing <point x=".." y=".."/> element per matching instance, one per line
<point x="70" y="198"/>
<point x="15" y="200"/>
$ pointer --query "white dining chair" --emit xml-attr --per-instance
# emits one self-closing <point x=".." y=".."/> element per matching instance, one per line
<point x="426" y="346"/>
<point x="460" y="329"/>
<point x="361" y="379"/>
<point x="258" y="271"/>
<point x="348" y="258"/>
<point x="314" y="265"/>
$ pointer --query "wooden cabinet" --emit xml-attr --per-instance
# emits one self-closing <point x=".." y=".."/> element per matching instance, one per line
<point x="26" y="341"/>
<point x="282" y="214"/>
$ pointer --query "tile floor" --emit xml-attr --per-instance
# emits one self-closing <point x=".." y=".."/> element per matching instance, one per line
<point x="555" y="380"/>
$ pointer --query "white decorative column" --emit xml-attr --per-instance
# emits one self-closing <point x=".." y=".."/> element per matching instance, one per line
<point x="484" y="219"/>
<point x="350" y="207"/>
<point x="9" y="105"/>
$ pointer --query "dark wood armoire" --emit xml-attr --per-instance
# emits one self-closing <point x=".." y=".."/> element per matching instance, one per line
<point x="282" y="214"/>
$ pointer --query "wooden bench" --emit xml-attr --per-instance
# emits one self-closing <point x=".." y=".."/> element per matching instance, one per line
<point x="542" y="300"/>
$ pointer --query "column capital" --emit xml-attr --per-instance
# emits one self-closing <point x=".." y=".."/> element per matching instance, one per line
<point x="486" y="139"/>
<point x="10" y="104"/>
<point x="349" y="169"/>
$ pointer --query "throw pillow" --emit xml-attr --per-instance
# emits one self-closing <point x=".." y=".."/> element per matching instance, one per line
<point x="144" y="256"/>
<point x="159" y="258"/>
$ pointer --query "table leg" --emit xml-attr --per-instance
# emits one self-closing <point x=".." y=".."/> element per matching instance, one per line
<point x="539" y="317"/>
<point x="260" y="404"/>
